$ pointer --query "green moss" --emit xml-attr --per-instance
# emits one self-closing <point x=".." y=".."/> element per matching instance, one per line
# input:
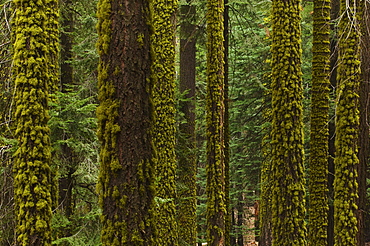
<point x="347" y="123"/>
<point x="163" y="76"/>
<point x="216" y="200"/>
<point x="286" y="173"/>
<point x="318" y="209"/>
<point x="125" y="184"/>
<point x="36" y="73"/>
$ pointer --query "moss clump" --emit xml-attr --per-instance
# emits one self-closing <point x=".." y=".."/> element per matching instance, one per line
<point x="36" y="73"/>
<point x="347" y="124"/>
<point x="287" y="171"/>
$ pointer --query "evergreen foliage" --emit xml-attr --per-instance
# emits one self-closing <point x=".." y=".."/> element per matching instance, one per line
<point x="36" y="72"/>
<point x="318" y="206"/>
<point x="287" y="170"/>
<point x="347" y="124"/>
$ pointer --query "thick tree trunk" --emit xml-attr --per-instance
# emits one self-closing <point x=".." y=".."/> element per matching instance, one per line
<point x="125" y="119"/>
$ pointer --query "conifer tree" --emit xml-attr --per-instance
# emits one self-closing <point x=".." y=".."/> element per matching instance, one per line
<point x="347" y="124"/>
<point x="318" y="190"/>
<point x="216" y="193"/>
<point x="187" y="167"/>
<point x="163" y="75"/>
<point x="364" y="141"/>
<point x="287" y="171"/>
<point x="125" y="118"/>
<point x="36" y="72"/>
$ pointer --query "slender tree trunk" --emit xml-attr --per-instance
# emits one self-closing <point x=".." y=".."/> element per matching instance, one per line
<point x="125" y="119"/>
<point x="335" y="9"/>
<point x="226" y="125"/>
<point x="287" y="170"/>
<point x="35" y="67"/>
<point x="318" y="189"/>
<point x="215" y="108"/>
<point x="187" y="166"/>
<point x="67" y="80"/>
<point x="163" y="76"/>
<point x="363" y="152"/>
<point x="347" y="126"/>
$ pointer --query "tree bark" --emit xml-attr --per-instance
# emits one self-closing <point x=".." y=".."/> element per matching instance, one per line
<point x="125" y="119"/>
<point x="187" y="166"/>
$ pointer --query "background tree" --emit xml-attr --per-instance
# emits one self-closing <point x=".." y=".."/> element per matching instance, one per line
<point x="163" y="75"/>
<point x="318" y="190"/>
<point x="287" y="173"/>
<point x="35" y="70"/>
<point x="347" y="124"/>
<point x="187" y="169"/>
<point x="73" y="129"/>
<point x="215" y="108"/>
<point x="125" y="118"/>
<point x="7" y="219"/>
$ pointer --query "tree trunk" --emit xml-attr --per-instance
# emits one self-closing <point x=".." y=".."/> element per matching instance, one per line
<point x="226" y="124"/>
<point x="35" y="67"/>
<point x="215" y="108"/>
<point x="125" y="119"/>
<point x="363" y="151"/>
<point x="318" y="171"/>
<point x="287" y="168"/>
<point x="163" y="77"/>
<point x="187" y="168"/>
<point x="347" y="126"/>
<point x="335" y="9"/>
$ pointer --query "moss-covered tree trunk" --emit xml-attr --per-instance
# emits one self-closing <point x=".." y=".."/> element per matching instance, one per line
<point x="35" y="67"/>
<point x="215" y="109"/>
<point x="318" y="189"/>
<point x="347" y="124"/>
<point x="287" y="171"/>
<point x="364" y="145"/>
<point x="163" y="75"/>
<point x="125" y="117"/>
<point x="187" y="166"/>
